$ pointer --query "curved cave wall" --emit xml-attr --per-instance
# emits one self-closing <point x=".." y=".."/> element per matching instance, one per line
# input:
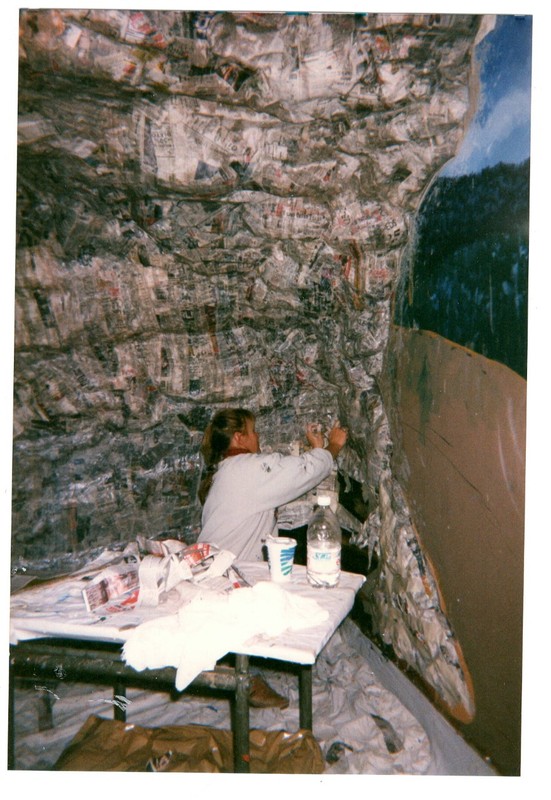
<point x="213" y="209"/>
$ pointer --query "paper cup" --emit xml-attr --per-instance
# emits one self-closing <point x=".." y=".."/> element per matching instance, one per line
<point x="281" y="552"/>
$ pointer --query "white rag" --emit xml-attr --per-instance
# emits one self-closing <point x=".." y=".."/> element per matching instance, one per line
<point x="212" y="624"/>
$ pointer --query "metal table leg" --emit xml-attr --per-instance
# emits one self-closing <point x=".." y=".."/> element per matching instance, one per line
<point x="305" y="696"/>
<point x="241" y="754"/>
<point x="11" y="719"/>
<point x="119" y="709"/>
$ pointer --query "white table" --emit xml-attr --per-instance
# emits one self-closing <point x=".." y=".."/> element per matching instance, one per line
<point x="52" y="634"/>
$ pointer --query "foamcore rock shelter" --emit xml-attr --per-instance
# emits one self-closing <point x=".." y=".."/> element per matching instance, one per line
<point x="217" y="209"/>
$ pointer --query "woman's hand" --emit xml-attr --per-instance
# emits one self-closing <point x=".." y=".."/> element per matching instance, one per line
<point x="314" y="434"/>
<point x="336" y="438"/>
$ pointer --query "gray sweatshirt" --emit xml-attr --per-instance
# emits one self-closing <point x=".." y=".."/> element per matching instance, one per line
<point x="246" y="490"/>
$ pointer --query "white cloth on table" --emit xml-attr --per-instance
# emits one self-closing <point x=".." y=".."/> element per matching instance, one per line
<point x="212" y="624"/>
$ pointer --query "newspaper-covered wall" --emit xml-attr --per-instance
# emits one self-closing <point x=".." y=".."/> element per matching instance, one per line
<point x="212" y="210"/>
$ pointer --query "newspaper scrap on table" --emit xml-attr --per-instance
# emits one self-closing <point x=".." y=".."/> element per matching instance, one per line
<point x="157" y="566"/>
<point x="120" y="583"/>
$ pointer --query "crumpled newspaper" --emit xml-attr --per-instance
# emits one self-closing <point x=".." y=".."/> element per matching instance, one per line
<point x="170" y="561"/>
<point x="142" y="578"/>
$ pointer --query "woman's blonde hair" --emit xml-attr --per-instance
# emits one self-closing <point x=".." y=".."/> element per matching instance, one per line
<point x="217" y="440"/>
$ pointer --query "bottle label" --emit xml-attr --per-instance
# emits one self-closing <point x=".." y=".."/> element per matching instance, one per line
<point x="323" y="564"/>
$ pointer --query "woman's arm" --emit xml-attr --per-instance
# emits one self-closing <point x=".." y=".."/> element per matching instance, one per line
<point x="282" y="479"/>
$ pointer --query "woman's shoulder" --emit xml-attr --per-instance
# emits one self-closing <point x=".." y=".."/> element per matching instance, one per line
<point x="251" y="460"/>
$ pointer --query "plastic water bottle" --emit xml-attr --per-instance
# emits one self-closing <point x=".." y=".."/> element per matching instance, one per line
<point x="324" y="543"/>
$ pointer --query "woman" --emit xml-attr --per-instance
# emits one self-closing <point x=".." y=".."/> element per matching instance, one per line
<point x="242" y="488"/>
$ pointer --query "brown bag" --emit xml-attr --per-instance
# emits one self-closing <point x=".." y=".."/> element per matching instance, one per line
<point x="107" y="745"/>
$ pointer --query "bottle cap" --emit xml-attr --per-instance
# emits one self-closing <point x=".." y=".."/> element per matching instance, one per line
<point x="324" y="500"/>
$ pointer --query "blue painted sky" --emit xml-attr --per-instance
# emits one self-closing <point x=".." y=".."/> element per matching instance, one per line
<point x="500" y="130"/>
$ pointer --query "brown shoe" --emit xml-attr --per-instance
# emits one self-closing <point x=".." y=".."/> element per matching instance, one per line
<point x="262" y="696"/>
